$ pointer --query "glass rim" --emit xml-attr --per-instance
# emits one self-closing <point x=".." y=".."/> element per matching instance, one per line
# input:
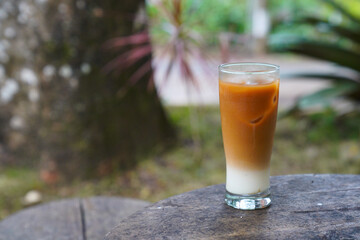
<point x="275" y="68"/>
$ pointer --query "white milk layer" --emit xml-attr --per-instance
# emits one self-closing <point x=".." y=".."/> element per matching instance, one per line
<point x="240" y="181"/>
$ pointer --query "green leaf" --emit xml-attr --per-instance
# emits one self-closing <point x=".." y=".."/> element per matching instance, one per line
<point x="345" y="12"/>
<point x="342" y="31"/>
<point x="328" y="52"/>
<point x="324" y="96"/>
<point x="280" y="41"/>
<point x="337" y="79"/>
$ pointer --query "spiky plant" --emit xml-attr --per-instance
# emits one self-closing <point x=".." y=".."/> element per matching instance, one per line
<point x="182" y="46"/>
<point x="344" y="51"/>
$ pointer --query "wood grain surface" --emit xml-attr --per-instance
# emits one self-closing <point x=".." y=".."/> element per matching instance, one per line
<point x="71" y="219"/>
<point x="303" y="207"/>
<point x="101" y="214"/>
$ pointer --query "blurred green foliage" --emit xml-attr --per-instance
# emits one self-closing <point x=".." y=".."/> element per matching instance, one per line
<point x="205" y="17"/>
<point x="321" y="126"/>
<point x="285" y="16"/>
<point x="337" y="41"/>
<point x="215" y="16"/>
<point x="14" y="183"/>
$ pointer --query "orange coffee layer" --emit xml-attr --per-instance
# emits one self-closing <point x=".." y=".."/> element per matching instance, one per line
<point x="248" y="119"/>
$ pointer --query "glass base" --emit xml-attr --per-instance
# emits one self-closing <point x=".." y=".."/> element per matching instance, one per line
<point x="248" y="202"/>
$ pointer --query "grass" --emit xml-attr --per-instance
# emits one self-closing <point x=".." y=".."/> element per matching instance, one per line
<point x="14" y="183"/>
<point x="317" y="143"/>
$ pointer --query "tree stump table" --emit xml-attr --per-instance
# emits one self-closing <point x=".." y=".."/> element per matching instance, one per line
<point x="303" y="207"/>
<point x="71" y="219"/>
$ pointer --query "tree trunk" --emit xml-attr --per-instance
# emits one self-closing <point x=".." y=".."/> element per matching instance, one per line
<point x="109" y="130"/>
<point x="72" y="115"/>
<point x="120" y="127"/>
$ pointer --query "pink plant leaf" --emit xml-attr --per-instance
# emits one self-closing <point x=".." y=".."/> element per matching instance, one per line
<point x="187" y="72"/>
<point x="165" y="51"/>
<point x="138" y="53"/>
<point x="118" y="63"/>
<point x="128" y="58"/>
<point x="169" y="69"/>
<point x="140" y="72"/>
<point x="135" y="39"/>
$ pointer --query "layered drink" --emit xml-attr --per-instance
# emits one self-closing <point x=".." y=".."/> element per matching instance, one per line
<point x="249" y="94"/>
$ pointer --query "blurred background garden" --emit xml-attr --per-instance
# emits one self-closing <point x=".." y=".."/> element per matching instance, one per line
<point x="120" y="98"/>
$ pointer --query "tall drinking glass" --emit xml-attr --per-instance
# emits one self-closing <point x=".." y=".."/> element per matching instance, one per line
<point x="249" y="94"/>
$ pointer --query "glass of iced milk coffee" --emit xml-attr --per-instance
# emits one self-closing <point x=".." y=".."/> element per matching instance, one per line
<point x="249" y="94"/>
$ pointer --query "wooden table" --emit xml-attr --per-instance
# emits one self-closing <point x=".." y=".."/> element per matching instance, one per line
<point x="303" y="207"/>
<point x="71" y="219"/>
